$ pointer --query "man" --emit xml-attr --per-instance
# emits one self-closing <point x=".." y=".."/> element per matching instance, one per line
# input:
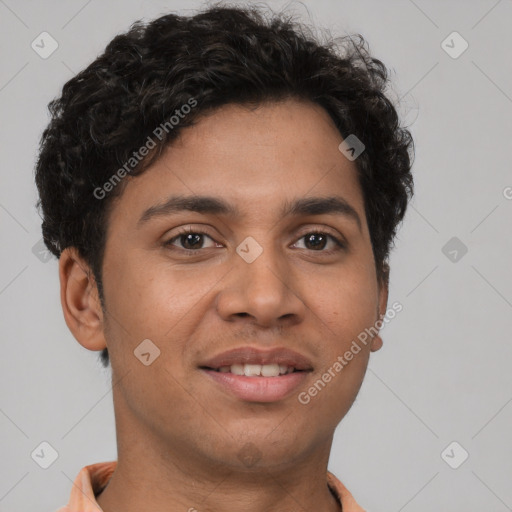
<point x="222" y="192"/>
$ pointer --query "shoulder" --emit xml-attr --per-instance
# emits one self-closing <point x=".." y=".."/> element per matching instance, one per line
<point x="348" y="502"/>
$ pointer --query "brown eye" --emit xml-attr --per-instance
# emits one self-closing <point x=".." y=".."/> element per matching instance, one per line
<point x="317" y="241"/>
<point x="190" y="240"/>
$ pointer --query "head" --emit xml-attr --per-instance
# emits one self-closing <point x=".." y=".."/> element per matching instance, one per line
<point x="251" y="111"/>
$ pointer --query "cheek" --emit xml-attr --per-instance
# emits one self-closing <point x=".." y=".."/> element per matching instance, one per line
<point x="350" y="306"/>
<point x="152" y="297"/>
<point x="148" y="302"/>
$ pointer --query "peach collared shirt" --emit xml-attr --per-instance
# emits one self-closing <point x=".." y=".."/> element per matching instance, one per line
<point x="92" y="479"/>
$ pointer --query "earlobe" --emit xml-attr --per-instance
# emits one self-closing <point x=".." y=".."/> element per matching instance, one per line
<point x="377" y="341"/>
<point x="80" y="300"/>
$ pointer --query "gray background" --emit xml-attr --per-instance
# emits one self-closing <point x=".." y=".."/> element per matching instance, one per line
<point x="444" y="372"/>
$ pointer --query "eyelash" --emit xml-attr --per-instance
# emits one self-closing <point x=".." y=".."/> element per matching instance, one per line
<point x="340" y="245"/>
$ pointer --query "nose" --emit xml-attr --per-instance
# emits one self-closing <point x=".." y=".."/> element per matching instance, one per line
<point x="264" y="292"/>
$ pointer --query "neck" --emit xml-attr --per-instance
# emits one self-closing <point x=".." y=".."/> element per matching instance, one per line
<point x="163" y="469"/>
<point x="164" y="480"/>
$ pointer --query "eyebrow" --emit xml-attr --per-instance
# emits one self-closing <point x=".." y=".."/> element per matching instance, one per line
<point x="321" y="206"/>
<point x="199" y="204"/>
<point x="216" y="206"/>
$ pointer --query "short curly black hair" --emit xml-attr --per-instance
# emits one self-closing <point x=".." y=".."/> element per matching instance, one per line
<point x="221" y="55"/>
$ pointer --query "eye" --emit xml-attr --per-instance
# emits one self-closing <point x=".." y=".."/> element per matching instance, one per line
<point x="190" y="240"/>
<point x="318" y="240"/>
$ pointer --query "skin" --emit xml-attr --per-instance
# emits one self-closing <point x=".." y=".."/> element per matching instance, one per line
<point x="180" y="436"/>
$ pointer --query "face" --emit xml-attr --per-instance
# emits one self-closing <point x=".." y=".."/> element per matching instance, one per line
<point x="248" y="270"/>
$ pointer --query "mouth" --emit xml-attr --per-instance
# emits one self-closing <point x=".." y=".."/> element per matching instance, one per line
<point x="255" y="370"/>
<point x="257" y="383"/>
<point x="255" y="375"/>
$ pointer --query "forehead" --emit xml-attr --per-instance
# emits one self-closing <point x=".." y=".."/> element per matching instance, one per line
<point x="271" y="134"/>
<point x="267" y="155"/>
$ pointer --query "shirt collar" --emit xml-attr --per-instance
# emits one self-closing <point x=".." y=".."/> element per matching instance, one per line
<point x="92" y="479"/>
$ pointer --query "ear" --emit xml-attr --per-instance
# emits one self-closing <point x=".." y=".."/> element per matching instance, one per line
<point x="80" y="300"/>
<point x="383" y="304"/>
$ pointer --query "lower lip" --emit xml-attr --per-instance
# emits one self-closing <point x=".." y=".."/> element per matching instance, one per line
<point x="259" y="389"/>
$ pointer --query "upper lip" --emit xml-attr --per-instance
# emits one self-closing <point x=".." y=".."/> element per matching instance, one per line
<point x="249" y="355"/>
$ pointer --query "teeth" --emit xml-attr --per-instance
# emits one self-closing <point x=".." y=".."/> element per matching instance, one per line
<point x="270" y="370"/>
<point x="237" y="369"/>
<point x="253" y="370"/>
<point x="257" y="370"/>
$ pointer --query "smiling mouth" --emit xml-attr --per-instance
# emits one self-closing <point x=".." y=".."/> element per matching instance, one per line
<point x="255" y="370"/>
<point x="262" y="383"/>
